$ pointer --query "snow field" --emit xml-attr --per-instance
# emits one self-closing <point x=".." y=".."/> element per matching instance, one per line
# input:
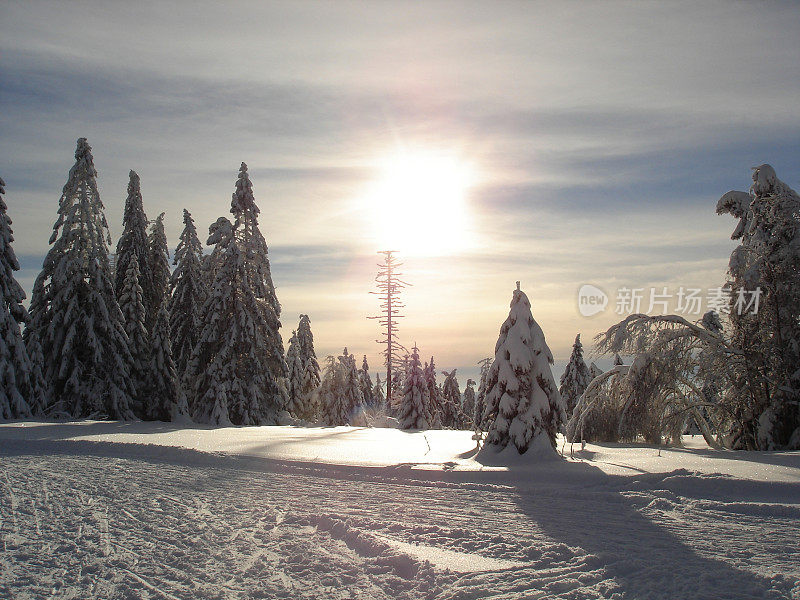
<point x="121" y="518"/>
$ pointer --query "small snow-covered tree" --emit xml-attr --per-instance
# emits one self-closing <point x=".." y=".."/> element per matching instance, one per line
<point x="352" y="393"/>
<point x="341" y="397"/>
<point x="308" y="390"/>
<point x="188" y="293"/>
<point x="377" y="392"/>
<point x="158" y="266"/>
<point x="674" y="360"/>
<point x="366" y="383"/>
<point x="575" y="378"/>
<point x="329" y="393"/>
<point x="133" y="311"/>
<point x="452" y="414"/>
<point x="41" y="390"/>
<point x="597" y="414"/>
<point x="414" y="411"/>
<point x="166" y="400"/>
<point x="651" y="409"/>
<point x="594" y="371"/>
<point x="665" y="385"/>
<point x="306" y="399"/>
<point x="229" y="365"/>
<point x="295" y="379"/>
<point x="133" y="241"/>
<point x="480" y="400"/>
<point x="522" y="398"/>
<point x="74" y="311"/>
<point x="435" y="400"/>
<point x="469" y="404"/>
<point x="20" y="395"/>
<point x="396" y="399"/>
<point x="398" y="380"/>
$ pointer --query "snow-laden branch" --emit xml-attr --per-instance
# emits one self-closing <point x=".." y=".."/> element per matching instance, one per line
<point x="638" y="333"/>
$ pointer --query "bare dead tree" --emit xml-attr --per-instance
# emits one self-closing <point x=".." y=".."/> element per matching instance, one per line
<point x="389" y="287"/>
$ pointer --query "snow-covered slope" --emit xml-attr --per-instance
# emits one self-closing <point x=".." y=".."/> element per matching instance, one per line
<point x="110" y="510"/>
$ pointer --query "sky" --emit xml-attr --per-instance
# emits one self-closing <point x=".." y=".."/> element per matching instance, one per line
<point x="555" y="144"/>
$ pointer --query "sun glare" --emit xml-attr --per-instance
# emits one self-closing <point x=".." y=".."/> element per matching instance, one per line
<point x="418" y="203"/>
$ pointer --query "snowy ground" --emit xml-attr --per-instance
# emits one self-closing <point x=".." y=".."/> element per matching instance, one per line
<point x="111" y="510"/>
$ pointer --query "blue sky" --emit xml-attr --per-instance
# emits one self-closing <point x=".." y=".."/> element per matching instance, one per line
<point x="600" y="135"/>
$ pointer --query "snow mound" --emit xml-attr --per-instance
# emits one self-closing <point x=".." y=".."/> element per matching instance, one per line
<point x="540" y="451"/>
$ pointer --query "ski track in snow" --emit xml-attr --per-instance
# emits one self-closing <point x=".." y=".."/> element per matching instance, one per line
<point x="81" y="526"/>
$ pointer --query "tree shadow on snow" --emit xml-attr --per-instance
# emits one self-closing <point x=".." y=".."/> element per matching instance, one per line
<point x="59" y="430"/>
<point x="777" y="459"/>
<point x="586" y="509"/>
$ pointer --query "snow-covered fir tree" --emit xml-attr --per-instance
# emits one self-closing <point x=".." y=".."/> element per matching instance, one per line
<point x="452" y="415"/>
<point x="480" y="400"/>
<point x="469" y="404"/>
<point x="131" y="304"/>
<point x="208" y="400"/>
<point x="414" y="412"/>
<point x="737" y="379"/>
<point x="74" y="311"/>
<point x="328" y="394"/>
<point x="575" y="379"/>
<point x="295" y="379"/>
<point x="133" y="241"/>
<point x="764" y="281"/>
<point x="399" y="371"/>
<point x="210" y="262"/>
<point x="398" y="379"/>
<point x="522" y="399"/>
<point x="188" y="293"/>
<point x="306" y="404"/>
<point x="366" y="383"/>
<point x="230" y="362"/>
<point x="158" y="267"/>
<point x="352" y="393"/>
<point x="433" y="407"/>
<point x="595" y="371"/>
<point x="341" y="396"/>
<point x="434" y="399"/>
<point x="597" y="415"/>
<point x="308" y="408"/>
<point x="41" y="389"/>
<point x="377" y="392"/>
<point x="20" y="395"/>
<point x="257" y="269"/>
<point x="166" y="400"/>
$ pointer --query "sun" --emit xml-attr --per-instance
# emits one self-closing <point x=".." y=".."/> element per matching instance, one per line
<point x="418" y="203"/>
